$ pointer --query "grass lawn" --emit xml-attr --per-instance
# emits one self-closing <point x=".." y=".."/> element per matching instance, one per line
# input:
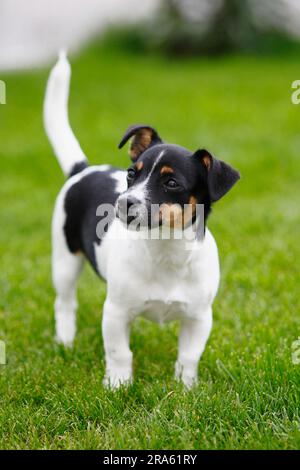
<point x="248" y="393"/>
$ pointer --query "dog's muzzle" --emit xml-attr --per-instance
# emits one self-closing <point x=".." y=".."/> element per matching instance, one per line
<point x="131" y="212"/>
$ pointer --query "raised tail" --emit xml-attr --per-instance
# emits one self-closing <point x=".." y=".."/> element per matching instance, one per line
<point x="56" y="120"/>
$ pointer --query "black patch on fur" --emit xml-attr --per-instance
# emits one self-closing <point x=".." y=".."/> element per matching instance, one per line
<point x="81" y="202"/>
<point x="220" y="176"/>
<point x="78" y="167"/>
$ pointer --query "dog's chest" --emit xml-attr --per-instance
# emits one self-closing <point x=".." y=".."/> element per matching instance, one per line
<point x="172" y="295"/>
<point x="165" y="293"/>
<point x="159" y="281"/>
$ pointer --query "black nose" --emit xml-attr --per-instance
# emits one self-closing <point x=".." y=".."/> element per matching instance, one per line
<point x="124" y="204"/>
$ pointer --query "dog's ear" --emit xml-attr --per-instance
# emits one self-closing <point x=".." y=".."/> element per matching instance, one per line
<point x="143" y="137"/>
<point x="220" y="176"/>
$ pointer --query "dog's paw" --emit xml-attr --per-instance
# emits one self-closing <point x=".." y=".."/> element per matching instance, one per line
<point x="64" y="339"/>
<point x="187" y="377"/>
<point x="65" y="328"/>
<point x="116" y="379"/>
<point x="189" y="381"/>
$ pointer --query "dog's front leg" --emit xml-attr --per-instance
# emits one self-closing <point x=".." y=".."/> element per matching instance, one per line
<point x="118" y="357"/>
<point x="192" y="340"/>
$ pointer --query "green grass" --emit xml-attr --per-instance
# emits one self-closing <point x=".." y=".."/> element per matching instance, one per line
<point x="248" y="394"/>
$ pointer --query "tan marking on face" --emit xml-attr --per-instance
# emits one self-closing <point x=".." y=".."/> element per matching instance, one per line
<point x="174" y="216"/>
<point x="189" y="211"/>
<point x="139" y="166"/>
<point x="171" y="215"/>
<point x="207" y="161"/>
<point x="193" y="201"/>
<point x="166" y="170"/>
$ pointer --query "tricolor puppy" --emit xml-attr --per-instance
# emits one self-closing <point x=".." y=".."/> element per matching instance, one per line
<point x="157" y="277"/>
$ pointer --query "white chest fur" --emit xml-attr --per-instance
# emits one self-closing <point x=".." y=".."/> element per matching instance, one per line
<point x="159" y="279"/>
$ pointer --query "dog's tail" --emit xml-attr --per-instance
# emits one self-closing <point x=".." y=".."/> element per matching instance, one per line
<point x="66" y="147"/>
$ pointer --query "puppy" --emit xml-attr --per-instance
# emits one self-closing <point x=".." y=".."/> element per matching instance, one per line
<point x="162" y="278"/>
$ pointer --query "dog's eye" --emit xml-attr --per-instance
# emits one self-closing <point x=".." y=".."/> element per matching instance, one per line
<point x="130" y="174"/>
<point x="171" y="184"/>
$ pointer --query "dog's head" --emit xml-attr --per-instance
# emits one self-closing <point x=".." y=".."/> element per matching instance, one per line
<point x="166" y="181"/>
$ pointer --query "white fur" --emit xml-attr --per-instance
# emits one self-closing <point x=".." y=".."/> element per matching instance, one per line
<point x="56" y="121"/>
<point x="65" y="270"/>
<point x="162" y="281"/>
<point x="159" y="279"/>
<point x="121" y="178"/>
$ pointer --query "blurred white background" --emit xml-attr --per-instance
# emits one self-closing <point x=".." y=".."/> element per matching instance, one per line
<point x="32" y="31"/>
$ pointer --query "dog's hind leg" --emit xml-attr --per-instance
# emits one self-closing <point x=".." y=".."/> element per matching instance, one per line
<point x="66" y="268"/>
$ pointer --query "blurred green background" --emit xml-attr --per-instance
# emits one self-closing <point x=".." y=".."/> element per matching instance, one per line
<point x="236" y="102"/>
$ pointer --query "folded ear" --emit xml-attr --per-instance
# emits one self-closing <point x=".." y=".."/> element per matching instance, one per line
<point x="143" y="137"/>
<point x="220" y="176"/>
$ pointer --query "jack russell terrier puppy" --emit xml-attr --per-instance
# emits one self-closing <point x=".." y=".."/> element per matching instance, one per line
<point x="157" y="277"/>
